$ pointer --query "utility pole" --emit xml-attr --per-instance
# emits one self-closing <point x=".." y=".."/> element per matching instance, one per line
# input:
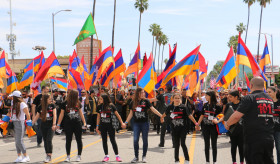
<point x="91" y="38"/>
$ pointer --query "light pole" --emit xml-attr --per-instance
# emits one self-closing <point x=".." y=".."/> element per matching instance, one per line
<point x="272" y="75"/>
<point x="53" y="14"/>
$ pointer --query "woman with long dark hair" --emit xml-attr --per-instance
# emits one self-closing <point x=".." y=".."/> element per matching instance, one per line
<point x="73" y="117"/>
<point x="210" y="110"/>
<point x="139" y="111"/>
<point x="47" y="112"/>
<point x="274" y="94"/>
<point x="178" y="114"/>
<point x="236" y="136"/>
<point x="18" y="112"/>
<point x="104" y="125"/>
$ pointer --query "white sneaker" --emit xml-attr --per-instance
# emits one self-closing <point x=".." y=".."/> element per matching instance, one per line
<point x="187" y="162"/>
<point x="25" y="159"/>
<point x="48" y="159"/>
<point x="78" y="159"/>
<point x="177" y="162"/>
<point x="144" y="160"/>
<point x="67" y="159"/>
<point x="135" y="160"/>
<point x="19" y="159"/>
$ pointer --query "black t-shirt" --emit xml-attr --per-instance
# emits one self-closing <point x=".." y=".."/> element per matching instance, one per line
<point x="37" y="100"/>
<point x="49" y="113"/>
<point x="161" y="104"/>
<point x="71" y="114"/>
<point x="106" y="114"/>
<point x="258" y="116"/>
<point x="209" y="112"/>
<point x="238" y="128"/>
<point x="276" y="115"/>
<point x="140" y="113"/>
<point x="178" y="115"/>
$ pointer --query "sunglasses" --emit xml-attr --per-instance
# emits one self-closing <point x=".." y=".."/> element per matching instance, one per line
<point x="83" y="92"/>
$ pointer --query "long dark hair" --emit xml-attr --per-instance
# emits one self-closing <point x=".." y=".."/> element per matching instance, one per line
<point x="106" y="101"/>
<point x="44" y="105"/>
<point x="16" y="104"/>
<point x="276" y="90"/>
<point x="137" y="97"/>
<point x="213" y="99"/>
<point x="73" y="99"/>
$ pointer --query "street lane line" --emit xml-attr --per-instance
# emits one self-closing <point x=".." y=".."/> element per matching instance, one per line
<point x="58" y="159"/>
<point x="191" y="150"/>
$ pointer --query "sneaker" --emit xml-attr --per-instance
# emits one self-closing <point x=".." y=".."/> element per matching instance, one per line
<point x="118" y="159"/>
<point x="48" y="159"/>
<point x="38" y="145"/>
<point x="19" y="159"/>
<point x="78" y="159"/>
<point x="144" y="160"/>
<point x="187" y="162"/>
<point x="177" y="162"/>
<point x="135" y="160"/>
<point x="67" y="159"/>
<point x="160" y="145"/>
<point x="25" y="159"/>
<point x="106" y="159"/>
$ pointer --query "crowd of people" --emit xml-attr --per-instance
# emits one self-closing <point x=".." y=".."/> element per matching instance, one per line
<point x="251" y="119"/>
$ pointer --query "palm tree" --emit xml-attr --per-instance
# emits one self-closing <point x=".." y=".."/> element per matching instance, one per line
<point x="233" y="41"/>
<point x="158" y="33"/>
<point x="160" y="41"/>
<point x="141" y="5"/>
<point x="164" y="42"/>
<point x="153" y="29"/>
<point x="240" y="28"/>
<point x="113" y="31"/>
<point x="250" y="3"/>
<point x="263" y="5"/>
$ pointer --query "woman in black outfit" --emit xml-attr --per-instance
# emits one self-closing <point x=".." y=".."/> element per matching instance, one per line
<point x="210" y="110"/>
<point x="104" y="125"/>
<point x="73" y="117"/>
<point x="236" y="136"/>
<point x="47" y="112"/>
<point x="178" y="113"/>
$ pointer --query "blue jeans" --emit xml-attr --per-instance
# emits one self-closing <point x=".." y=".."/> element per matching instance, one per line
<point x="277" y="145"/>
<point x="137" y="129"/>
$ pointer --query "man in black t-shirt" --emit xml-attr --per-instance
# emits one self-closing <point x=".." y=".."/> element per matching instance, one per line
<point x="257" y="111"/>
<point x="36" y="103"/>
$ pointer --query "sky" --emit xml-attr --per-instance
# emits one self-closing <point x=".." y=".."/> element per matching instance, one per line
<point x="188" y="23"/>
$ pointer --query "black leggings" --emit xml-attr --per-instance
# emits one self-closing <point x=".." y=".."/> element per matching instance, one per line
<point x="105" y="130"/>
<point x="210" y="131"/>
<point x="75" y="127"/>
<point x="47" y="134"/>
<point x="237" y="141"/>
<point x="179" y="136"/>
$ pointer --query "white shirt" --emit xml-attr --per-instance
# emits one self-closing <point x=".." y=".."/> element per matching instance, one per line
<point x="83" y="104"/>
<point x="26" y="100"/>
<point x="21" y="116"/>
<point x="204" y="99"/>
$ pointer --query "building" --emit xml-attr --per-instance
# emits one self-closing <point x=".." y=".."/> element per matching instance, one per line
<point x="83" y="49"/>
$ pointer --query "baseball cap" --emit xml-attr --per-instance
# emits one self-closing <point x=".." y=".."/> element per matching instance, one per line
<point x="16" y="94"/>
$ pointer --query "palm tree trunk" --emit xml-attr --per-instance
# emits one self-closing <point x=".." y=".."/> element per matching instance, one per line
<point x="113" y="31"/>
<point x="139" y="28"/>
<point x="243" y="67"/>
<point x="156" y="53"/>
<point x="162" y="58"/>
<point x="153" y="45"/>
<point x="260" y="29"/>
<point x="158" y="57"/>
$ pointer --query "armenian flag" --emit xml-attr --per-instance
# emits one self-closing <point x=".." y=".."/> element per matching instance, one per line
<point x="265" y="59"/>
<point x="147" y="77"/>
<point x="108" y="75"/>
<point x="228" y="72"/>
<point x="28" y="65"/>
<point x="2" y="65"/>
<point x="39" y="61"/>
<point x="27" y="77"/>
<point x="136" y="60"/>
<point x="247" y="82"/>
<point x="12" y="83"/>
<point x="61" y="83"/>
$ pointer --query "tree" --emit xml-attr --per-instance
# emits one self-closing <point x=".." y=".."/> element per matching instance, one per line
<point x="250" y="76"/>
<point x="165" y="61"/>
<point x="250" y="3"/>
<point x="233" y="41"/>
<point x="216" y="70"/>
<point x="240" y="28"/>
<point x="113" y="31"/>
<point x="62" y="57"/>
<point x="164" y="42"/>
<point x="141" y="5"/>
<point x="157" y="35"/>
<point x="263" y="5"/>
<point x="154" y="29"/>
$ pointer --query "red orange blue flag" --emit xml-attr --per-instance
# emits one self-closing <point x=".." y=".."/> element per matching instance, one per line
<point x="265" y="59"/>
<point x="136" y="60"/>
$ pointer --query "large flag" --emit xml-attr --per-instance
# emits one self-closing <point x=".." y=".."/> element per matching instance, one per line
<point x="228" y="72"/>
<point x="85" y="74"/>
<point x="185" y="66"/>
<point x="108" y="75"/>
<point x="50" y="68"/>
<point x="39" y="61"/>
<point x="2" y="65"/>
<point x="132" y="68"/>
<point x="245" y="57"/>
<point x="265" y="59"/>
<point x="75" y="72"/>
<point x="28" y="65"/>
<point x="60" y="83"/>
<point x="119" y="67"/>
<point x="169" y="65"/>
<point x="148" y="77"/>
<point x="87" y="30"/>
<point x="12" y="83"/>
<point x="247" y="82"/>
<point x="27" y="77"/>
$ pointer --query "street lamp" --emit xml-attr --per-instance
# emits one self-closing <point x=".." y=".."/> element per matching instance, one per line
<point x="271" y="54"/>
<point x="53" y="14"/>
<point x="39" y="48"/>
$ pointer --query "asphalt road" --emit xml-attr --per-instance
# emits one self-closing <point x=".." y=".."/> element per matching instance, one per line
<point x="93" y="151"/>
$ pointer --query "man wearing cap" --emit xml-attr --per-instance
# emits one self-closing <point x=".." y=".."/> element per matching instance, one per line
<point x="256" y="110"/>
